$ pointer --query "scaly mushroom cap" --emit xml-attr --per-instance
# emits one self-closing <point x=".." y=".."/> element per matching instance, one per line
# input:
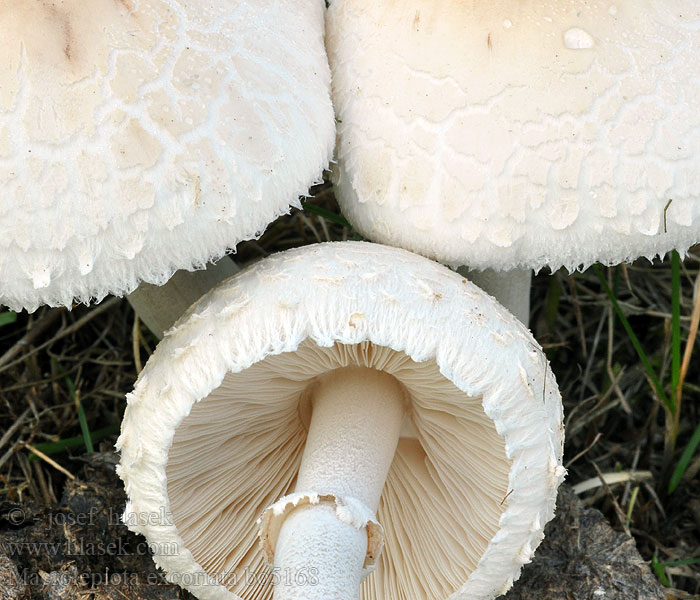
<point x="138" y="138"/>
<point x="502" y="134"/>
<point x="215" y="429"/>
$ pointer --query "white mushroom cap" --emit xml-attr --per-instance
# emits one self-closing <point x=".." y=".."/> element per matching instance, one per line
<point x="138" y="138"/>
<point x="215" y="428"/>
<point x="502" y="134"/>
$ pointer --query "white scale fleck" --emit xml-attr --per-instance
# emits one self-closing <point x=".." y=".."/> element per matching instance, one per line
<point x="578" y="39"/>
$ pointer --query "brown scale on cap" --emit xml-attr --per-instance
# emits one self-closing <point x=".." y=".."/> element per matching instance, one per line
<point x="65" y="45"/>
<point x="61" y="30"/>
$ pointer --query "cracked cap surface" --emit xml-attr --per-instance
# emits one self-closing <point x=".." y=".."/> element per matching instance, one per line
<point x="523" y="134"/>
<point x="141" y="137"/>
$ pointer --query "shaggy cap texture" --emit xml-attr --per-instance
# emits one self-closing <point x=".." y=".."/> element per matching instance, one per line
<point x="504" y="134"/>
<point x="214" y="431"/>
<point x="138" y="138"/>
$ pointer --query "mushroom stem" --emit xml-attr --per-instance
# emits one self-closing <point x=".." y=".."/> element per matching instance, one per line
<point x="355" y="425"/>
<point x="510" y="288"/>
<point x="159" y="306"/>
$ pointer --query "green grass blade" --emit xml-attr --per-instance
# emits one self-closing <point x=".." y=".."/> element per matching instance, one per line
<point x="82" y="419"/>
<point x="78" y="441"/>
<point x="675" y="320"/>
<point x="7" y="317"/>
<point x="668" y="402"/>
<point x="659" y="570"/>
<point x="326" y="214"/>
<point x="684" y="460"/>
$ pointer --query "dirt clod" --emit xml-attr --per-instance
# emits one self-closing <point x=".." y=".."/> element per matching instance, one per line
<point x="583" y="558"/>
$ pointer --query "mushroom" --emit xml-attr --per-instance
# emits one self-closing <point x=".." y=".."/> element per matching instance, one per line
<point x="510" y="136"/>
<point x="356" y="396"/>
<point x="138" y="138"/>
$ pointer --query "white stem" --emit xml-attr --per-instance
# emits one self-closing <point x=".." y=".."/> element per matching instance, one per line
<point x="355" y="426"/>
<point x="510" y="288"/>
<point x="160" y="306"/>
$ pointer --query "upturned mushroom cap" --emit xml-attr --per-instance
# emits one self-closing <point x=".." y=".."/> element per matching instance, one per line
<point x="138" y="138"/>
<point x="504" y="134"/>
<point x="215" y="429"/>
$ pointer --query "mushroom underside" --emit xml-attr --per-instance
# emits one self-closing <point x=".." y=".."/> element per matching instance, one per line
<point x="240" y="448"/>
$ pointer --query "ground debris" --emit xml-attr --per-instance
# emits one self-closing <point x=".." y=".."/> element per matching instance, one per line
<point x="63" y="584"/>
<point x="583" y="558"/>
<point x="80" y="549"/>
<point x="11" y="585"/>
